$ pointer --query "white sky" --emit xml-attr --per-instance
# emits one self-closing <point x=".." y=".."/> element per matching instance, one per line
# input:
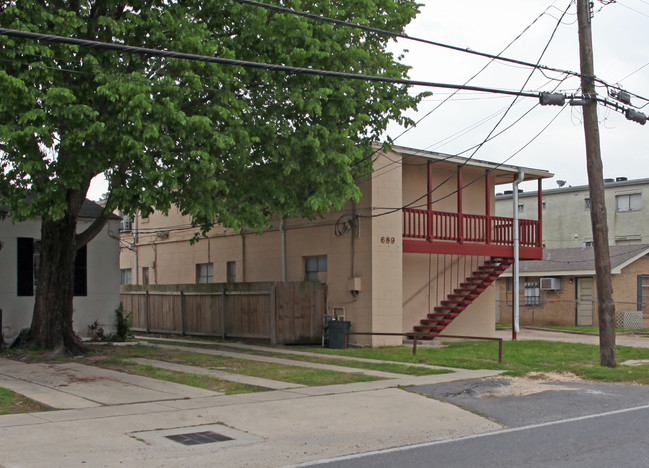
<point x="620" y="48"/>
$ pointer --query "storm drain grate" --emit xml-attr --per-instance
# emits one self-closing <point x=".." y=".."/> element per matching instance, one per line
<point x="196" y="438"/>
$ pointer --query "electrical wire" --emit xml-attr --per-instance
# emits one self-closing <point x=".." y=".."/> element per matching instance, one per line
<point x="480" y="145"/>
<point x="426" y="41"/>
<point x="400" y="36"/>
<point x="476" y="74"/>
<point x="250" y="64"/>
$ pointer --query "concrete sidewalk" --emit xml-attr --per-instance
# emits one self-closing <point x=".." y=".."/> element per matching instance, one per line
<point x="117" y="419"/>
<point x="636" y="341"/>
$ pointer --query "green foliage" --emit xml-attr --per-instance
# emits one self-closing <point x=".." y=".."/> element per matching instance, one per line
<point x="223" y="143"/>
<point x="123" y="323"/>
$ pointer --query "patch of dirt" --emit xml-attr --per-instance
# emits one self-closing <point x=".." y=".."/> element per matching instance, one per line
<point x="534" y="382"/>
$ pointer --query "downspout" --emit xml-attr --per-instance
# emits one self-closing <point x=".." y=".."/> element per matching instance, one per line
<point x="135" y="265"/>
<point x="516" y="241"/>
<point x="282" y="230"/>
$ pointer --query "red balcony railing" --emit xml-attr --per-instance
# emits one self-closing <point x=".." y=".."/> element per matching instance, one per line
<point x="461" y="228"/>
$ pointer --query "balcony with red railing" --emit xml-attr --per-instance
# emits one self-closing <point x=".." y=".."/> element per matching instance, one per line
<point x="441" y="232"/>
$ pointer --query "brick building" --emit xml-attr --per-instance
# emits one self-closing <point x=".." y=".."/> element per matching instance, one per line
<point x="559" y="290"/>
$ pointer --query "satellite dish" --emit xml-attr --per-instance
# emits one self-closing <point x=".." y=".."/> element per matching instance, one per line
<point x="561" y="183"/>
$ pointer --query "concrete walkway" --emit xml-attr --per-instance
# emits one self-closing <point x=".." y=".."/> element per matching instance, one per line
<point x="117" y="419"/>
<point x="636" y="341"/>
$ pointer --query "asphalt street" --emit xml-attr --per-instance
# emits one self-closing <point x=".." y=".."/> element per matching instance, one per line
<point x="615" y="439"/>
<point x="548" y="424"/>
<point x="561" y="400"/>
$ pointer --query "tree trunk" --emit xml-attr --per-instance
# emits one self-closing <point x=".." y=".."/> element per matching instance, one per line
<point x="52" y="319"/>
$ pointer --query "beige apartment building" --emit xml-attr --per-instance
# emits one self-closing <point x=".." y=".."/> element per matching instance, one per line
<point x="566" y="213"/>
<point x="417" y="252"/>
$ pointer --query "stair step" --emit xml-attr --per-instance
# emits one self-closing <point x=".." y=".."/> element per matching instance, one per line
<point x="466" y="299"/>
<point x="487" y="277"/>
<point x="457" y="302"/>
<point x="470" y="290"/>
<point x="441" y="315"/>
<point x="423" y="328"/>
<point x="481" y="284"/>
<point x="449" y="308"/>
<point x="427" y="336"/>
<point x="435" y="323"/>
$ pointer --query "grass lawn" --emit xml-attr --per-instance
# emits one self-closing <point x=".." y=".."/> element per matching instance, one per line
<point x="519" y="358"/>
<point x="14" y="403"/>
<point x="121" y="358"/>
<point x="378" y="366"/>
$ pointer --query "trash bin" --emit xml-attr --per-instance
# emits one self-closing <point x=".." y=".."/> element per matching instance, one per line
<point x="337" y="330"/>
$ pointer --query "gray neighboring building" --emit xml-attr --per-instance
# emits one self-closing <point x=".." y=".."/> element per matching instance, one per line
<point x="566" y="213"/>
<point x="97" y="278"/>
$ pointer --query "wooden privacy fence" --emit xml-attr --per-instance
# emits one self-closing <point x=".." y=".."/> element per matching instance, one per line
<point x="280" y="312"/>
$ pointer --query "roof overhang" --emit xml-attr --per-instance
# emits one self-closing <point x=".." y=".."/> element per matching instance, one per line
<point x="501" y="173"/>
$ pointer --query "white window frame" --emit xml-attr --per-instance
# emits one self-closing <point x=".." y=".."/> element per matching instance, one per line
<point x="125" y="275"/>
<point x="204" y="273"/>
<point x="313" y="266"/>
<point x="628" y="202"/>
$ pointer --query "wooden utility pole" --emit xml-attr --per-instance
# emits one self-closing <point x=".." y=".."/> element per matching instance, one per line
<point x="605" y="304"/>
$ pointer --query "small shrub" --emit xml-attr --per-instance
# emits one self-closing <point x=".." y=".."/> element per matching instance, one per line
<point x="123" y="323"/>
<point x="96" y="331"/>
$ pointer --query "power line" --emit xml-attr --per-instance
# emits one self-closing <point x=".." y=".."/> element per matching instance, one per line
<point x="472" y="77"/>
<point x="400" y="35"/>
<point x="249" y="64"/>
<point x="426" y="41"/>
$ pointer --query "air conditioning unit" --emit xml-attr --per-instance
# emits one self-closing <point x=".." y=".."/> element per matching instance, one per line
<point x="550" y="284"/>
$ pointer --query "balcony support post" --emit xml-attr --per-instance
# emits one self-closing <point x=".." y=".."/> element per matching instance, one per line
<point x="429" y="202"/>
<point x="460" y="215"/>
<point x="539" y="227"/>
<point x="487" y="209"/>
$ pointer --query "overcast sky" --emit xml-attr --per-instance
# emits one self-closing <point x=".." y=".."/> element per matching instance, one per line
<point x="620" y="49"/>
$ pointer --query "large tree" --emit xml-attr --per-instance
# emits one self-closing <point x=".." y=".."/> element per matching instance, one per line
<point x="225" y="144"/>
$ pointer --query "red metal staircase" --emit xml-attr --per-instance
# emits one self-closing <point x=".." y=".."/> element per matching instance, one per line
<point x="462" y="297"/>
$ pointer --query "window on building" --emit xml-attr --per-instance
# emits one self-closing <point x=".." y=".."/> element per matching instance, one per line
<point x="231" y="272"/>
<point x="628" y="240"/>
<point x="532" y="294"/>
<point x="125" y="223"/>
<point x="313" y="266"/>
<point x="543" y="205"/>
<point x="521" y="208"/>
<point x="643" y="292"/>
<point x="125" y="276"/>
<point x="204" y="273"/>
<point x="631" y="202"/>
<point x="587" y="203"/>
<point x="28" y="256"/>
<point x="588" y="243"/>
<point x="145" y="275"/>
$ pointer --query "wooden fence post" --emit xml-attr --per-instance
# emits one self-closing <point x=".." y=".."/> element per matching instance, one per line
<point x="273" y="322"/>
<point x="146" y="310"/>
<point x="182" y="313"/>
<point x="223" y="305"/>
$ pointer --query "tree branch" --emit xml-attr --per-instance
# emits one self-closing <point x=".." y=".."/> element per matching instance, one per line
<point x="95" y="228"/>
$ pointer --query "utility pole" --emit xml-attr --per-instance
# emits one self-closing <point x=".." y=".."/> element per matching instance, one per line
<point x="605" y="304"/>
